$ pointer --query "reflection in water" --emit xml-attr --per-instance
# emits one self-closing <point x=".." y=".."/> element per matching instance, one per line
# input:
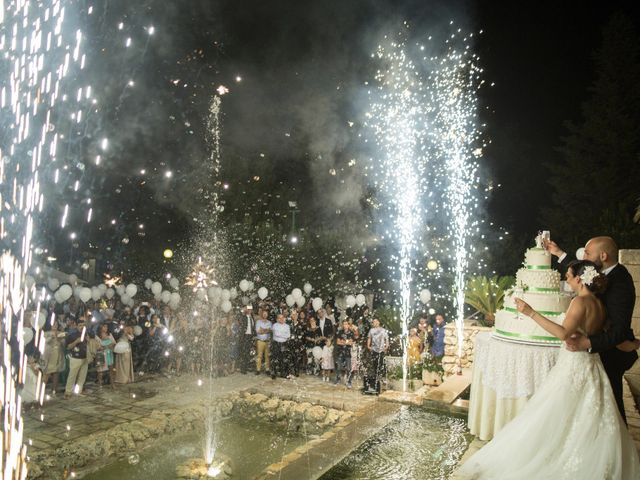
<point x="417" y="444"/>
<point x="251" y="446"/>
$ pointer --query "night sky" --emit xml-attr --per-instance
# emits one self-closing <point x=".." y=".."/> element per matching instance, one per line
<point x="302" y="66"/>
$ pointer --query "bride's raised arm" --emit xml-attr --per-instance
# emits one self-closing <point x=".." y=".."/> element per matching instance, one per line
<point x="572" y="320"/>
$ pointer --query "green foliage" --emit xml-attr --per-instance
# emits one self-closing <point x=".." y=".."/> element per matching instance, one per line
<point x="389" y="319"/>
<point x="486" y="295"/>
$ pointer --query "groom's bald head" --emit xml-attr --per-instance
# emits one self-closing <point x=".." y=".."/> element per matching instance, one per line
<point x="603" y="251"/>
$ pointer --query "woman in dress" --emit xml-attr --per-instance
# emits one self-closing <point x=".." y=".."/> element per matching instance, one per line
<point x="124" y="359"/>
<point x="414" y="347"/>
<point x="53" y="356"/>
<point x="571" y="427"/>
<point x="104" y="356"/>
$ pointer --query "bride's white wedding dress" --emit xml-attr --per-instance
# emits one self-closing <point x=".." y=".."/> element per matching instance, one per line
<point x="569" y="429"/>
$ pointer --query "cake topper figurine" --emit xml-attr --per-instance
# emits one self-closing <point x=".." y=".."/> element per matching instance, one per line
<point x="542" y="235"/>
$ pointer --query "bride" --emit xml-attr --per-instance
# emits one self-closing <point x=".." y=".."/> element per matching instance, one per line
<point x="571" y="427"/>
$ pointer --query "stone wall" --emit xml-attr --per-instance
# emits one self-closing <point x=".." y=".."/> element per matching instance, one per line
<point x="631" y="260"/>
<point x="121" y="440"/>
<point x="449" y="361"/>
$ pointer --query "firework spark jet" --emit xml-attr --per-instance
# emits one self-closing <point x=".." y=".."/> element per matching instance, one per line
<point x="422" y="117"/>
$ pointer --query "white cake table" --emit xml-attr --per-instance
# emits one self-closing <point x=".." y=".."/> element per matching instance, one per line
<point x="505" y="375"/>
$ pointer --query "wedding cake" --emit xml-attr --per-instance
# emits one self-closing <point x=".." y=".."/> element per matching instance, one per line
<point x="538" y="285"/>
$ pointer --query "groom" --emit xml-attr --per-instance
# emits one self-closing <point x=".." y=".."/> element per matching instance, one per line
<point x="619" y="300"/>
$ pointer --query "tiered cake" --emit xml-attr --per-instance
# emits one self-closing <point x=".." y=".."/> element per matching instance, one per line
<point x="539" y="286"/>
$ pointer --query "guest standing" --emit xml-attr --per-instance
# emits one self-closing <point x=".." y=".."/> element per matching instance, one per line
<point x="345" y="339"/>
<point x="124" y="358"/>
<point x="263" y="328"/>
<point x="247" y="334"/>
<point x="378" y="344"/>
<point x="76" y="342"/>
<point x="53" y="355"/>
<point x="438" y="337"/>
<point x="281" y="352"/>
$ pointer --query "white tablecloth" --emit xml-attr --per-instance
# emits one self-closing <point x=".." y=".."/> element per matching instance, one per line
<point x="505" y="375"/>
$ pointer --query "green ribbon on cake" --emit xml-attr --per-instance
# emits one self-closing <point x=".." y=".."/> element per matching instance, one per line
<point x="541" y="312"/>
<point x="536" y="289"/>
<point x="539" y="338"/>
<point x="538" y="267"/>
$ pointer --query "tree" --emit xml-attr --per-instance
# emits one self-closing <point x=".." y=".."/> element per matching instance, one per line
<point x="600" y="169"/>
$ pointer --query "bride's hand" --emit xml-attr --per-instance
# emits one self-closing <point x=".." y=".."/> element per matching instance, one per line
<point x="524" y="307"/>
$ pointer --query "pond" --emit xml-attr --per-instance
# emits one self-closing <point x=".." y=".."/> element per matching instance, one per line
<point x="252" y="446"/>
<point x="416" y="444"/>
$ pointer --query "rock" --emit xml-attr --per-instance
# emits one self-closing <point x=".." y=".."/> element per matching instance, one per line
<point x="226" y="407"/>
<point x="256" y="399"/>
<point x="333" y="417"/>
<point x="283" y="409"/>
<point x="315" y="414"/>
<point x="298" y="410"/>
<point x="271" y="405"/>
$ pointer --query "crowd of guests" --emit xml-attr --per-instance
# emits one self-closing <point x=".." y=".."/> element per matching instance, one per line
<point x="113" y="344"/>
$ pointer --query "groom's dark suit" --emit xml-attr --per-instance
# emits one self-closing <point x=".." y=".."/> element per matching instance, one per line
<point x="619" y="300"/>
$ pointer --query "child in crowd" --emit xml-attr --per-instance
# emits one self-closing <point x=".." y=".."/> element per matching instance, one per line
<point x="327" y="360"/>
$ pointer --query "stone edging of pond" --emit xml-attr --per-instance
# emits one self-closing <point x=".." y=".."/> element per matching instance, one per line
<point x="87" y="452"/>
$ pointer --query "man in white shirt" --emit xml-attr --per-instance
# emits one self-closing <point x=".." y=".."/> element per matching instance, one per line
<point x="263" y="330"/>
<point x="280" y="348"/>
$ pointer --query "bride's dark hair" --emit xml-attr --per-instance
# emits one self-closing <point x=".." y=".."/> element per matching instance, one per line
<point x="599" y="282"/>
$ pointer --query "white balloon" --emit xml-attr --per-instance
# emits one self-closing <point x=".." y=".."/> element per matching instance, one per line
<point x="262" y="293"/>
<point x="211" y="293"/>
<point x="174" y="282"/>
<point x="147" y="283"/>
<point x="226" y="306"/>
<point x="244" y="285"/>
<point x="300" y="301"/>
<point x="351" y="301"/>
<point x="233" y="292"/>
<point x="121" y="290"/>
<point x="425" y="296"/>
<point x="76" y="292"/>
<point x="131" y="290"/>
<point x="165" y="296"/>
<point x="137" y="330"/>
<point x="57" y="297"/>
<point x="42" y="318"/>
<point x="73" y="279"/>
<point x="317" y="353"/>
<point x="110" y="293"/>
<point x="580" y="254"/>
<point x="217" y="301"/>
<point x="65" y="292"/>
<point x="317" y="303"/>
<point x="360" y="300"/>
<point x="307" y="288"/>
<point x="124" y="298"/>
<point x="200" y="294"/>
<point x="85" y="294"/>
<point x="290" y="300"/>
<point x="103" y="288"/>
<point x="156" y="288"/>
<point x="217" y="291"/>
<point x="95" y="293"/>
<point x="53" y="283"/>
<point x="225" y="295"/>
<point x="245" y="300"/>
<point x="173" y="304"/>
<point x="251" y="285"/>
<point x="27" y="335"/>
<point x="175" y="298"/>
<point x="297" y="293"/>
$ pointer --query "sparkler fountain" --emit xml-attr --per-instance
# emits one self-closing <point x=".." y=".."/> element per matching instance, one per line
<point x="39" y="52"/>
<point x="423" y="117"/>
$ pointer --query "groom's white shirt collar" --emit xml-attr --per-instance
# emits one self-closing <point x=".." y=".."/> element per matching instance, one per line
<point x="607" y="271"/>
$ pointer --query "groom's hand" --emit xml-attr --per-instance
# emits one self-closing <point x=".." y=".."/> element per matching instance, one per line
<point x="578" y="343"/>
<point x="552" y="247"/>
